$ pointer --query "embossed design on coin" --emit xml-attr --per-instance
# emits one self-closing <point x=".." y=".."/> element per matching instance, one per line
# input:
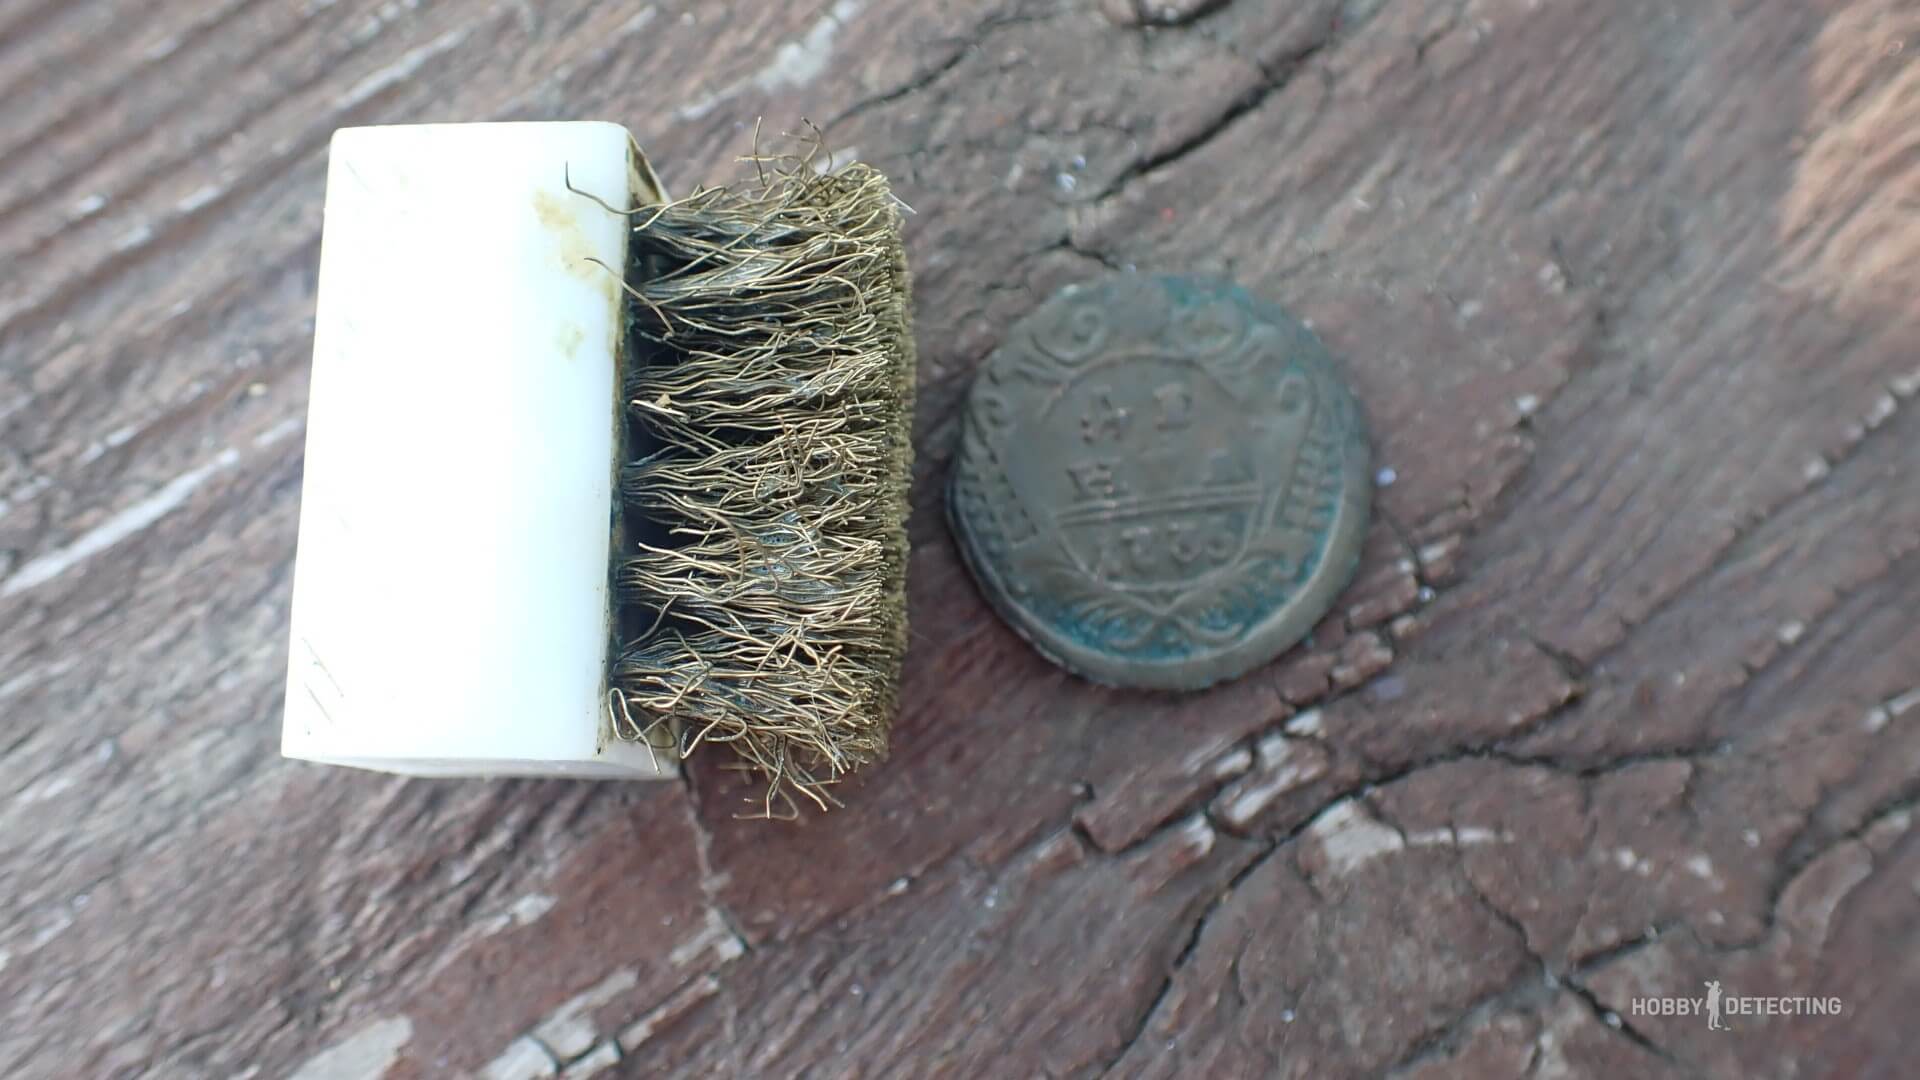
<point x="1161" y="482"/>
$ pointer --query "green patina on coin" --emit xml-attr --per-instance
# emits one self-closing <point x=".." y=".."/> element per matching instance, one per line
<point x="1162" y="482"/>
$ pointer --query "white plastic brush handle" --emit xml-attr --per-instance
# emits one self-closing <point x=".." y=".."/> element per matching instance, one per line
<point x="450" y="597"/>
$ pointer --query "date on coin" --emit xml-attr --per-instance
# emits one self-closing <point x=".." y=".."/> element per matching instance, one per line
<point x="1162" y="482"/>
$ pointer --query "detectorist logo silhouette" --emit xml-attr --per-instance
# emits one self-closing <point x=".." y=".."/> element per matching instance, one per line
<point x="1713" y="1007"/>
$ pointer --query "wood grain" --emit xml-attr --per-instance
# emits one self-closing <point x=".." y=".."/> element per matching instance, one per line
<point x="1626" y="697"/>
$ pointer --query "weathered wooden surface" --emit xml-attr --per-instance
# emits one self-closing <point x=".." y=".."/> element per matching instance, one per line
<point x="1625" y="699"/>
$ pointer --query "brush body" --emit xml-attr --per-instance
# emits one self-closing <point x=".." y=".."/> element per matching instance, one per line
<point x="595" y="478"/>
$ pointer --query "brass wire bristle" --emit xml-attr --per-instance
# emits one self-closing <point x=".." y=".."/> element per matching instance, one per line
<point x="769" y="398"/>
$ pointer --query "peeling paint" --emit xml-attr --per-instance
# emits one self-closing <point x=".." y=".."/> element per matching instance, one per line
<point x="133" y="238"/>
<point x="46" y="789"/>
<point x="524" y="1059"/>
<point x="1306" y="724"/>
<point x="530" y="907"/>
<point x="118" y="527"/>
<point x="1471" y="836"/>
<point x="683" y="999"/>
<point x="290" y="426"/>
<point x="197" y="198"/>
<point x="569" y="1031"/>
<point x="798" y="63"/>
<point x="601" y="1057"/>
<point x="1899" y="706"/>
<point x="714" y="935"/>
<point x="794" y="63"/>
<point x="33" y="677"/>
<point x="1232" y="764"/>
<point x="62" y="922"/>
<point x="400" y="70"/>
<point x="1284" y="776"/>
<point x="365" y="1055"/>
<point x="25" y="492"/>
<point x="1198" y="835"/>
<point x="1350" y="838"/>
<point x="1284" y="764"/>
<point x="1468" y="835"/>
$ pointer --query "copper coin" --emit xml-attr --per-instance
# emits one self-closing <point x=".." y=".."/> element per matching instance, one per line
<point x="1162" y="482"/>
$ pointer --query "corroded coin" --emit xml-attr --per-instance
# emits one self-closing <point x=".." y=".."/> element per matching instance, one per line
<point x="1162" y="482"/>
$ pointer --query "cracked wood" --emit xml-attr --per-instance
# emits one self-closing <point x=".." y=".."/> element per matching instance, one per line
<point x="1626" y="695"/>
